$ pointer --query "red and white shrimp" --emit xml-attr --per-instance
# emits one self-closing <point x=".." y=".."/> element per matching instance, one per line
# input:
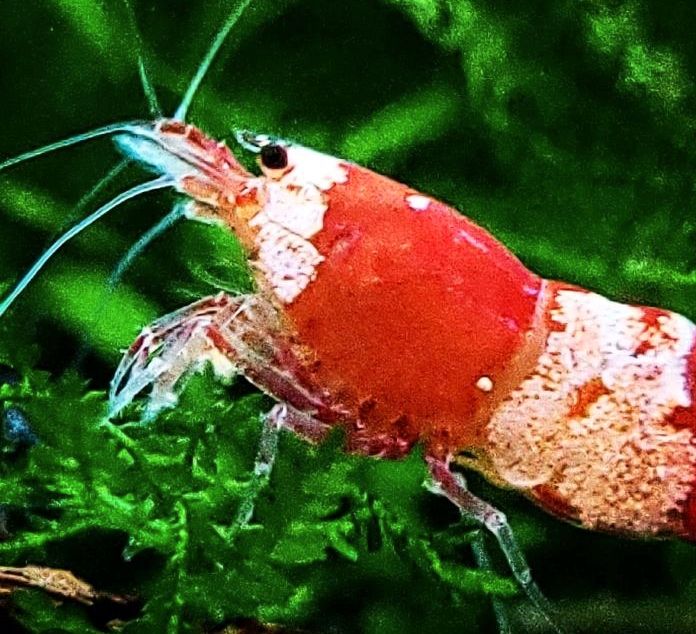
<point x="384" y="312"/>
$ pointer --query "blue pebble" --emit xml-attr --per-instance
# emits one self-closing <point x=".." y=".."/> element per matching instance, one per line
<point x="17" y="429"/>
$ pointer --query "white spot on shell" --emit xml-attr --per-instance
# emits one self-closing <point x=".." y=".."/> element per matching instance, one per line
<point x="418" y="202"/>
<point x="485" y="384"/>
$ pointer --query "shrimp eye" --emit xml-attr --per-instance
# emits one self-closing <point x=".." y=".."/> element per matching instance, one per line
<point x="274" y="156"/>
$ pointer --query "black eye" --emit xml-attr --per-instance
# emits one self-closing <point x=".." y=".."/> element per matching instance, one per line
<point x="274" y="156"/>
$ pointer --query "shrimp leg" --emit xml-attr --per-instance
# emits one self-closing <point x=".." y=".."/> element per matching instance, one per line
<point x="454" y="488"/>
<point x="234" y="335"/>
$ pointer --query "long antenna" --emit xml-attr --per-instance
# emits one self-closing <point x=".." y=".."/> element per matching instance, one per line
<point x="87" y="198"/>
<point x="124" y="264"/>
<point x="138" y="247"/>
<point x="126" y="126"/>
<point x="158" y="183"/>
<point x="148" y="88"/>
<point x="219" y="40"/>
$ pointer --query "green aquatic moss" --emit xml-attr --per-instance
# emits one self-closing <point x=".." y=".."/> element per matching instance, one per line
<point x="150" y="510"/>
<point x="564" y="127"/>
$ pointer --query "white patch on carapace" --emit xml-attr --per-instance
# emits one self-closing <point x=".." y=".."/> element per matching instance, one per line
<point x="312" y="168"/>
<point x="300" y="211"/>
<point x="418" y="202"/>
<point x="287" y="260"/>
<point x="591" y="422"/>
<point x="484" y="383"/>
<point x="293" y="204"/>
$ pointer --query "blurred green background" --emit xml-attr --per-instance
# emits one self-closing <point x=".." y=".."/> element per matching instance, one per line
<point x="564" y="127"/>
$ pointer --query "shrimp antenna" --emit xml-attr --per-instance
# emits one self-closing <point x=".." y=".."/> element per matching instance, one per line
<point x="148" y="87"/>
<point x="138" y="247"/>
<point x="126" y="126"/>
<point x="219" y="40"/>
<point x="158" y="183"/>
<point x="117" y="273"/>
<point x="97" y="188"/>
